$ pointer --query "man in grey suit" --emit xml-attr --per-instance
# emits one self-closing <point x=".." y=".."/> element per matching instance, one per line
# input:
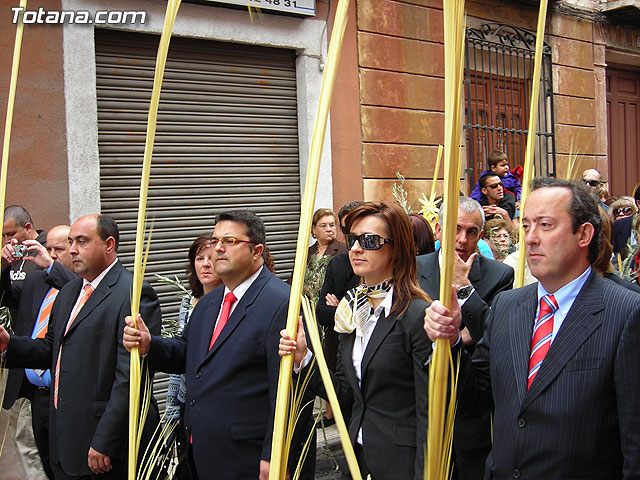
<point x="559" y="359"/>
<point x="478" y="280"/>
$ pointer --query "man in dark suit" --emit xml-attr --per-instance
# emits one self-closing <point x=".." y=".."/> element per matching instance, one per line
<point x="89" y="401"/>
<point x="559" y="359"/>
<point x="33" y="299"/>
<point x="229" y="353"/>
<point x="478" y="280"/>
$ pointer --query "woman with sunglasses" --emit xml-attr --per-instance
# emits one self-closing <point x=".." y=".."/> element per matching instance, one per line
<point x="623" y="207"/>
<point x="381" y="374"/>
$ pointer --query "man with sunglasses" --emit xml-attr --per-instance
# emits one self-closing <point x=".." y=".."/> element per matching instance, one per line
<point x="592" y="178"/>
<point x="229" y="353"/>
<point x="495" y="202"/>
<point x="478" y="280"/>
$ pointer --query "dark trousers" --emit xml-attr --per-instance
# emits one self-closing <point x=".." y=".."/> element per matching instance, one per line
<point x="40" y="421"/>
<point x="362" y="463"/>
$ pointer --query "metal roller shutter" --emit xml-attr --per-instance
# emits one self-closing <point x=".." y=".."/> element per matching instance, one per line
<point x="227" y="138"/>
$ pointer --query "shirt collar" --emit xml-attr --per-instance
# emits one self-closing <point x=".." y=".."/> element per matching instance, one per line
<point x="241" y="289"/>
<point x="567" y="294"/>
<point x="96" y="281"/>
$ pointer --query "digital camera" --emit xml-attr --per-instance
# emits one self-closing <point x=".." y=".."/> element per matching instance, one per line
<point x="19" y="251"/>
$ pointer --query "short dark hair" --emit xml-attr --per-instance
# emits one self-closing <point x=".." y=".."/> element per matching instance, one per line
<point x="636" y="193"/>
<point x="255" y="226"/>
<point x="18" y="214"/>
<point x="346" y="209"/>
<point x="583" y="208"/>
<point x="107" y="227"/>
<point x="483" y="178"/>
<point x="495" y="158"/>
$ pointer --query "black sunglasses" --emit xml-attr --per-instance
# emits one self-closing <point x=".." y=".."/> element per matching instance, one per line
<point x="622" y="211"/>
<point x="592" y="183"/>
<point x="368" y="241"/>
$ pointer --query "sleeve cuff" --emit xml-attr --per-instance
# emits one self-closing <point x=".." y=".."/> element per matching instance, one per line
<point x="305" y="361"/>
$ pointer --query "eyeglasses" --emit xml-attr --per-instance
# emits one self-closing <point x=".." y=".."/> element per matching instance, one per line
<point x="368" y="241"/>
<point x="592" y="183"/>
<point x="622" y="211"/>
<point x="495" y="185"/>
<point x="226" y="241"/>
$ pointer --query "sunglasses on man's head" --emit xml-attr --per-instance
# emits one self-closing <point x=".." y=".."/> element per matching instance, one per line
<point x="368" y="241"/>
<point x="592" y="183"/>
<point x="622" y="211"/>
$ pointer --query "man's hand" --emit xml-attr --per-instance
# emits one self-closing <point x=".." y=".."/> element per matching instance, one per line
<point x="264" y="470"/>
<point x="42" y="258"/>
<point x="298" y="346"/>
<point x="461" y="270"/>
<point x="440" y="322"/>
<point x="7" y="253"/>
<point x="4" y="339"/>
<point x="99" y="463"/>
<point x="139" y="337"/>
<point x="331" y="300"/>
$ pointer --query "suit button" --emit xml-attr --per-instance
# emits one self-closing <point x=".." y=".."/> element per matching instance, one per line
<point x="198" y="374"/>
<point x="521" y="423"/>
<point x="516" y="473"/>
<point x="192" y="402"/>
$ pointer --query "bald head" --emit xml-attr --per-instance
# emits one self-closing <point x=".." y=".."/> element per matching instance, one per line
<point x="593" y="179"/>
<point x="58" y="245"/>
<point x="93" y="243"/>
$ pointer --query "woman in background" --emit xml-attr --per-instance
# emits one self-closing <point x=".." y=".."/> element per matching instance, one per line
<point x="422" y="234"/>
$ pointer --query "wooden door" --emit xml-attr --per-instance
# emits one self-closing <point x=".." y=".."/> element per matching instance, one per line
<point x="623" y="128"/>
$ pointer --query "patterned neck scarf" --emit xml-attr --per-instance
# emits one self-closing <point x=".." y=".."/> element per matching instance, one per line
<point x="355" y="308"/>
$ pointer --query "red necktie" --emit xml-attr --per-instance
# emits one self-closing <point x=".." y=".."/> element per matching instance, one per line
<point x="87" y="291"/>
<point x="229" y="299"/>
<point x="542" y="331"/>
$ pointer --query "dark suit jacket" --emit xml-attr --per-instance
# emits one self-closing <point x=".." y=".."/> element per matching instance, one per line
<point x="231" y="390"/>
<point x="338" y="278"/>
<point x="26" y="297"/>
<point x="93" y="399"/>
<point x="579" y="419"/>
<point x="488" y="278"/>
<point x="391" y="404"/>
<point x="621" y="232"/>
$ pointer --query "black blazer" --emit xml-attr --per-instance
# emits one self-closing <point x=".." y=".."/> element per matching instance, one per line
<point x="93" y="400"/>
<point x="579" y="418"/>
<point x="338" y="278"/>
<point x="26" y="298"/>
<point x="391" y="404"/>
<point x="231" y="390"/>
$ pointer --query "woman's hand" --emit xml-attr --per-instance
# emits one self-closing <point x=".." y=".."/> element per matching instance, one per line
<point x="331" y="300"/>
<point x="298" y="346"/>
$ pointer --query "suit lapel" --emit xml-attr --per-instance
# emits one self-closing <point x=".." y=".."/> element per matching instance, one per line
<point x="520" y="332"/>
<point x="100" y="293"/>
<point x="380" y="331"/>
<point x="579" y="324"/>
<point x="240" y="311"/>
<point x="208" y="318"/>
<point x="475" y="274"/>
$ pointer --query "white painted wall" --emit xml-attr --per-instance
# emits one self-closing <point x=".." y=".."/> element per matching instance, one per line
<point x="305" y="35"/>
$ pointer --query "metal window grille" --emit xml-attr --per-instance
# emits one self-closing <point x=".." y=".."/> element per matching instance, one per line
<point x="499" y="66"/>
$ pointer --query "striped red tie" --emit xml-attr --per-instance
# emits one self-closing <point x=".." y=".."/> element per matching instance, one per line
<point x="542" y="331"/>
<point x="86" y="293"/>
